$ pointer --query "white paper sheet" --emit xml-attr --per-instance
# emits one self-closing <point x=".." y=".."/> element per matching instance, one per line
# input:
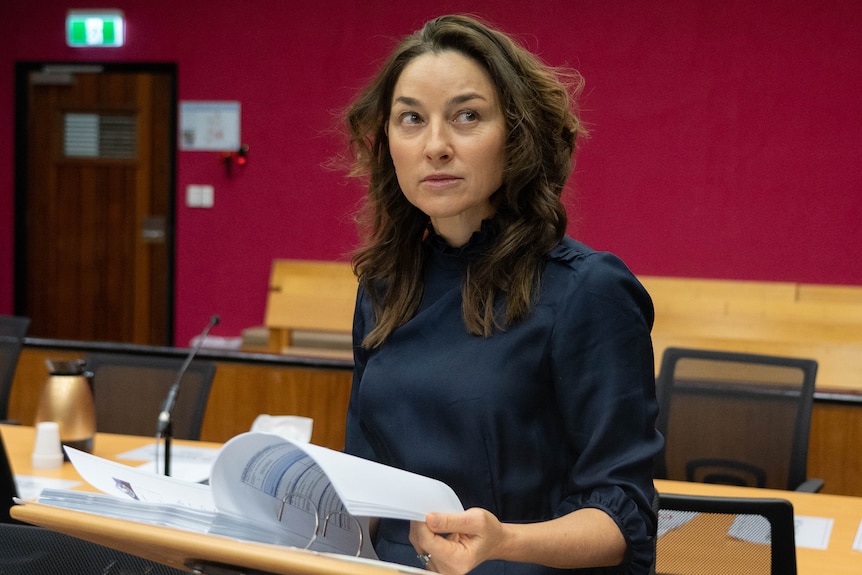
<point x="257" y="462"/>
<point x="813" y="532"/>
<point x="29" y="486"/>
<point x="188" y="463"/>
<point x="124" y="481"/>
<point x="751" y="528"/>
<point x="857" y="541"/>
<point x="670" y="519"/>
<point x="178" y="452"/>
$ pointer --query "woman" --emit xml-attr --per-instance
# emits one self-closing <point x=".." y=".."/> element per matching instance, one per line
<point x="492" y="352"/>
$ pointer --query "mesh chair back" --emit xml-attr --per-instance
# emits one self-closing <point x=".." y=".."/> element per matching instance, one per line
<point x="30" y="550"/>
<point x="12" y="332"/>
<point x="700" y="535"/>
<point x="8" y="490"/>
<point x="735" y="418"/>
<point x="129" y="391"/>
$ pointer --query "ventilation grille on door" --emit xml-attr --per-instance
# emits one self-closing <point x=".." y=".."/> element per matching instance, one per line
<point x="99" y="136"/>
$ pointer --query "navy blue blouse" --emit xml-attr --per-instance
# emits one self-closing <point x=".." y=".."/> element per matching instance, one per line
<point x="554" y="414"/>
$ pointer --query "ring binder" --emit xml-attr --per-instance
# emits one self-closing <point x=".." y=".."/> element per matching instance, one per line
<point x="345" y="521"/>
<point x="314" y="513"/>
<point x="267" y="489"/>
<point x="355" y="521"/>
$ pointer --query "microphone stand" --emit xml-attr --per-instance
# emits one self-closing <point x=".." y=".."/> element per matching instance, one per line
<point x="164" y="428"/>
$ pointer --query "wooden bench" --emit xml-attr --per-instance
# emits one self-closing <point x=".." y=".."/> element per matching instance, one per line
<point x="774" y="318"/>
<point x="310" y="312"/>
<point x="309" y="308"/>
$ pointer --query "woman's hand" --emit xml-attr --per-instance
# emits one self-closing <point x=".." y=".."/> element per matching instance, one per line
<point x="457" y="542"/>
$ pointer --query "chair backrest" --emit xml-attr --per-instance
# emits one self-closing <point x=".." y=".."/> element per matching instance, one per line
<point x="27" y="549"/>
<point x="734" y="418"/>
<point x="8" y="490"/>
<point x="701" y="535"/>
<point x="12" y="332"/>
<point x="129" y="391"/>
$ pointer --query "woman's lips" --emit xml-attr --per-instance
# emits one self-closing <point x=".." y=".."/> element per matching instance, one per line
<point x="440" y="180"/>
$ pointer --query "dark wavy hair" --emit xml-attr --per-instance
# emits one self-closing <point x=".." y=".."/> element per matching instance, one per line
<point x="542" y="127"/>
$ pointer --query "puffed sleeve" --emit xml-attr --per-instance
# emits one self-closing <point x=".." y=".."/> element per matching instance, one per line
<point x="356" y="442"/>
<point x="603" y="369"/>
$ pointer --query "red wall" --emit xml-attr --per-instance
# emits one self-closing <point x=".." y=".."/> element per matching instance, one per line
<point x="725" y="136"/>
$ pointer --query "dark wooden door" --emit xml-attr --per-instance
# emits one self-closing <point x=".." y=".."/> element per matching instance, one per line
<point x="97" y="206"/>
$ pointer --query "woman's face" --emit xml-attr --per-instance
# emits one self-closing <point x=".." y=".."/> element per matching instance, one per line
<point x="447" y="138"/>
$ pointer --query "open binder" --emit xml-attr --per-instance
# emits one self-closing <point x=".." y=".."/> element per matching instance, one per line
<point x="208" y="554"/>
<point x="263" y="489"/>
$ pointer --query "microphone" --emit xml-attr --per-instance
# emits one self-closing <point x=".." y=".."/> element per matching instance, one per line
<point x="171" y="399"/>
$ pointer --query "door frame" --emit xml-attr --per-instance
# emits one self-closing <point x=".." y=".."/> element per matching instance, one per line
<point x="22" y="111"/>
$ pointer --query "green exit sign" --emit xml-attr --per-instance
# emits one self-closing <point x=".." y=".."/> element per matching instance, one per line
<point x="91" y="28"/>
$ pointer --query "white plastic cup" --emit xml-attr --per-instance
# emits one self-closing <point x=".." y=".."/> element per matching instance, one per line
<point x="47" y="452"/>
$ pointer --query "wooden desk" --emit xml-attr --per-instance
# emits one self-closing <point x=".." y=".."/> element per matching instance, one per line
<point x="838" y="559"/>
<point x="172" y="547"/>
<point x="19" y="440"/>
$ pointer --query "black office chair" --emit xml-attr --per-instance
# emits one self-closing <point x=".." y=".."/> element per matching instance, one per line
<point x="31" y="550"/>
<point x="701" y="535"/>
<point x="8" y="489"/>
<point x="129" y="391"/>
<point x="12" y="332"/>
<point x="735" y="418"/>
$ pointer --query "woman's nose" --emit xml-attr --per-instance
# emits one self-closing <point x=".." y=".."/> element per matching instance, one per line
<point x="437" y="144"/>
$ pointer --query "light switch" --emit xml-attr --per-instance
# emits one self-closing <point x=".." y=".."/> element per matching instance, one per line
<point x="200" y="196"/>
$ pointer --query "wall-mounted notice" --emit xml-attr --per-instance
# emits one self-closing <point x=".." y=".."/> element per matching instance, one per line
<point x="209" y="126"/>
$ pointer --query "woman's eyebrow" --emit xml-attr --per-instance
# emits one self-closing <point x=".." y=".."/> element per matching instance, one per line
<point x="454" y="101"/>
<point x="406" y="100"/>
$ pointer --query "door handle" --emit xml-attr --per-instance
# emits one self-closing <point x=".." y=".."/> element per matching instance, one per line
<point x="154" y="229"/>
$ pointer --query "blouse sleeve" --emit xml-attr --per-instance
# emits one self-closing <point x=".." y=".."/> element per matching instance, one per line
<point x="604" y="376"/>
<point x="355" y="441"/>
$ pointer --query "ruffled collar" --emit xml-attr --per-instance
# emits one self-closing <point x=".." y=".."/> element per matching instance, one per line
<point x="478" y="242"/>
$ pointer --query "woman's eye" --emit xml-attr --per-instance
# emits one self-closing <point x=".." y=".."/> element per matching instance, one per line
<point x="410" y="118"/>
<point x="467" y="116"/>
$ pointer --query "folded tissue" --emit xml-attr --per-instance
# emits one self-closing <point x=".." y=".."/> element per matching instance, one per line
<point x="293" y="427"/>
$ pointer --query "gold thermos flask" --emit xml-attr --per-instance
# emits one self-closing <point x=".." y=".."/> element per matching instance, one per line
<point x="67" y="398"/>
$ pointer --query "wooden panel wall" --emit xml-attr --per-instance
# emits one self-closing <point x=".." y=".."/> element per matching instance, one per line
<point x="242" y="390"/>
<point x="834" y="453"/>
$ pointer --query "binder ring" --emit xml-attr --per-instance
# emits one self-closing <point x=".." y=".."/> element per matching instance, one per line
<point x="356" y="521"/>
<point x="280" y="514"/>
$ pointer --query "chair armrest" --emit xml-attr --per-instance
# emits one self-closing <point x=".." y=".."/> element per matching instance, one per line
<point x="810" y="486"/>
